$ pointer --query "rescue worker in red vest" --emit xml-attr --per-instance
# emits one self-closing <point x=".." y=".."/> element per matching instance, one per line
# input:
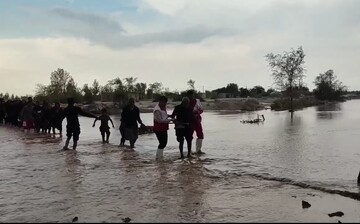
<point x="196" y="126"/>
<point x="161" y="125"/>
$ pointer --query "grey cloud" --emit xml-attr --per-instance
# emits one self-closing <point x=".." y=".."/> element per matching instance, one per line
<point x="303" y="24"/>
<point x="101" y="30"/>
<point x="92" y="20"/>
<point x="188" y="35"/>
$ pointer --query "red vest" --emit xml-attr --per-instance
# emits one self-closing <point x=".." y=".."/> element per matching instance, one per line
<point x="160" y="126"/>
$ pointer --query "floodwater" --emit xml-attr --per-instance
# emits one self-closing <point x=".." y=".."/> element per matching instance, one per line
<point x="250" y="172"/>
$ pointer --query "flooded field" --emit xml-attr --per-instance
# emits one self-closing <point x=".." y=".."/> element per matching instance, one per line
<point x="250" y="172"/>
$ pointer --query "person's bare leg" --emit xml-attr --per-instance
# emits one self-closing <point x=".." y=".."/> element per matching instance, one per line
<point x="189" y="143"/>
<point x="103" y="137"/>
<point x="66" y="147"/>
<point x="181" y="148"/>
<point x="107" y="137"/>
<point x="132" y="143"/>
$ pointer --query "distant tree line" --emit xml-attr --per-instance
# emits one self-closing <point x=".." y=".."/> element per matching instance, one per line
<point x="117" y="90"/>
<point x="287" y="71"/>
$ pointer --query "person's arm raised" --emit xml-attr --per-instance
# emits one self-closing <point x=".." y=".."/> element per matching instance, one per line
<point x="86" y="114"/>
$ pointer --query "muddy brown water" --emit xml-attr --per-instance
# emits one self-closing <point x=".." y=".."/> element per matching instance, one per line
<point x="248" y="174"/>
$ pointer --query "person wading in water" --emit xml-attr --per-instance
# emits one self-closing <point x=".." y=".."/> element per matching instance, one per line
<point x="130" y="116"/>
<point x="196" y="126"/>
<point x="161" y="125"/>
<point x="183" y="119"/>
<point x="72" y="113"/>
<point x="104" y="126"/>
<point x="56" y="118"/>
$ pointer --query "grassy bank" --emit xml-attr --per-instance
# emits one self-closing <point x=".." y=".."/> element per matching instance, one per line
<point x="230" y="104"/>
<point x="146" y="106"/>
<point x="299" y="103"/>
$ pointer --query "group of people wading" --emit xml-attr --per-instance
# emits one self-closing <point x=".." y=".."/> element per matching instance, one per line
<point x="187" y="120"/>
<point x="30" y="115"/>
<point x="186" y="117"/>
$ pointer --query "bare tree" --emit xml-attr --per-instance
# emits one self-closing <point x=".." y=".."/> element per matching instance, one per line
<point x="287" y="71"/>
<point x="191" y="84"/>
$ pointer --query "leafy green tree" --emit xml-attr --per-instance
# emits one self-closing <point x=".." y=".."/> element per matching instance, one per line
<point x="130" y="84"/>
<point x="149" y="93"/>
<point x="72" y="91"/>
<point x="257" y="91"/>
<point x="88" y="94"/>
<point x="268" y="92"/>
<point x="244" y="92"/>
<point x="61" y="86"/>
<point x="140" y="89"/>
<point x="95" y="89"/>
<point x="232" y="88"/>
<point x="59" y="80"/>
<point x="107" y="92"/>
<point x="328" y="87"/>
<point x="120" y="95"/>
<point x="155" y="89"/>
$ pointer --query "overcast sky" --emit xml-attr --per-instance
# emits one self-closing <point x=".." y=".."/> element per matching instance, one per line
<point x="214" y="42"/>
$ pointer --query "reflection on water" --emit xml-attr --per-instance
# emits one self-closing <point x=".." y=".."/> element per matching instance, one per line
<point x="329" y="111"/>
<point x="192" y="185"/>
<point x="329" y="107"/>
<point x="40" y="182"/>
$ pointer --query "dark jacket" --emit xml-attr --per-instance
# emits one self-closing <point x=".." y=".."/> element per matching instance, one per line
<point x="183" y="115"/>
<point x="130" y="117"/>
<point x="56" y="116"/>
<point x="72" y="115"/>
